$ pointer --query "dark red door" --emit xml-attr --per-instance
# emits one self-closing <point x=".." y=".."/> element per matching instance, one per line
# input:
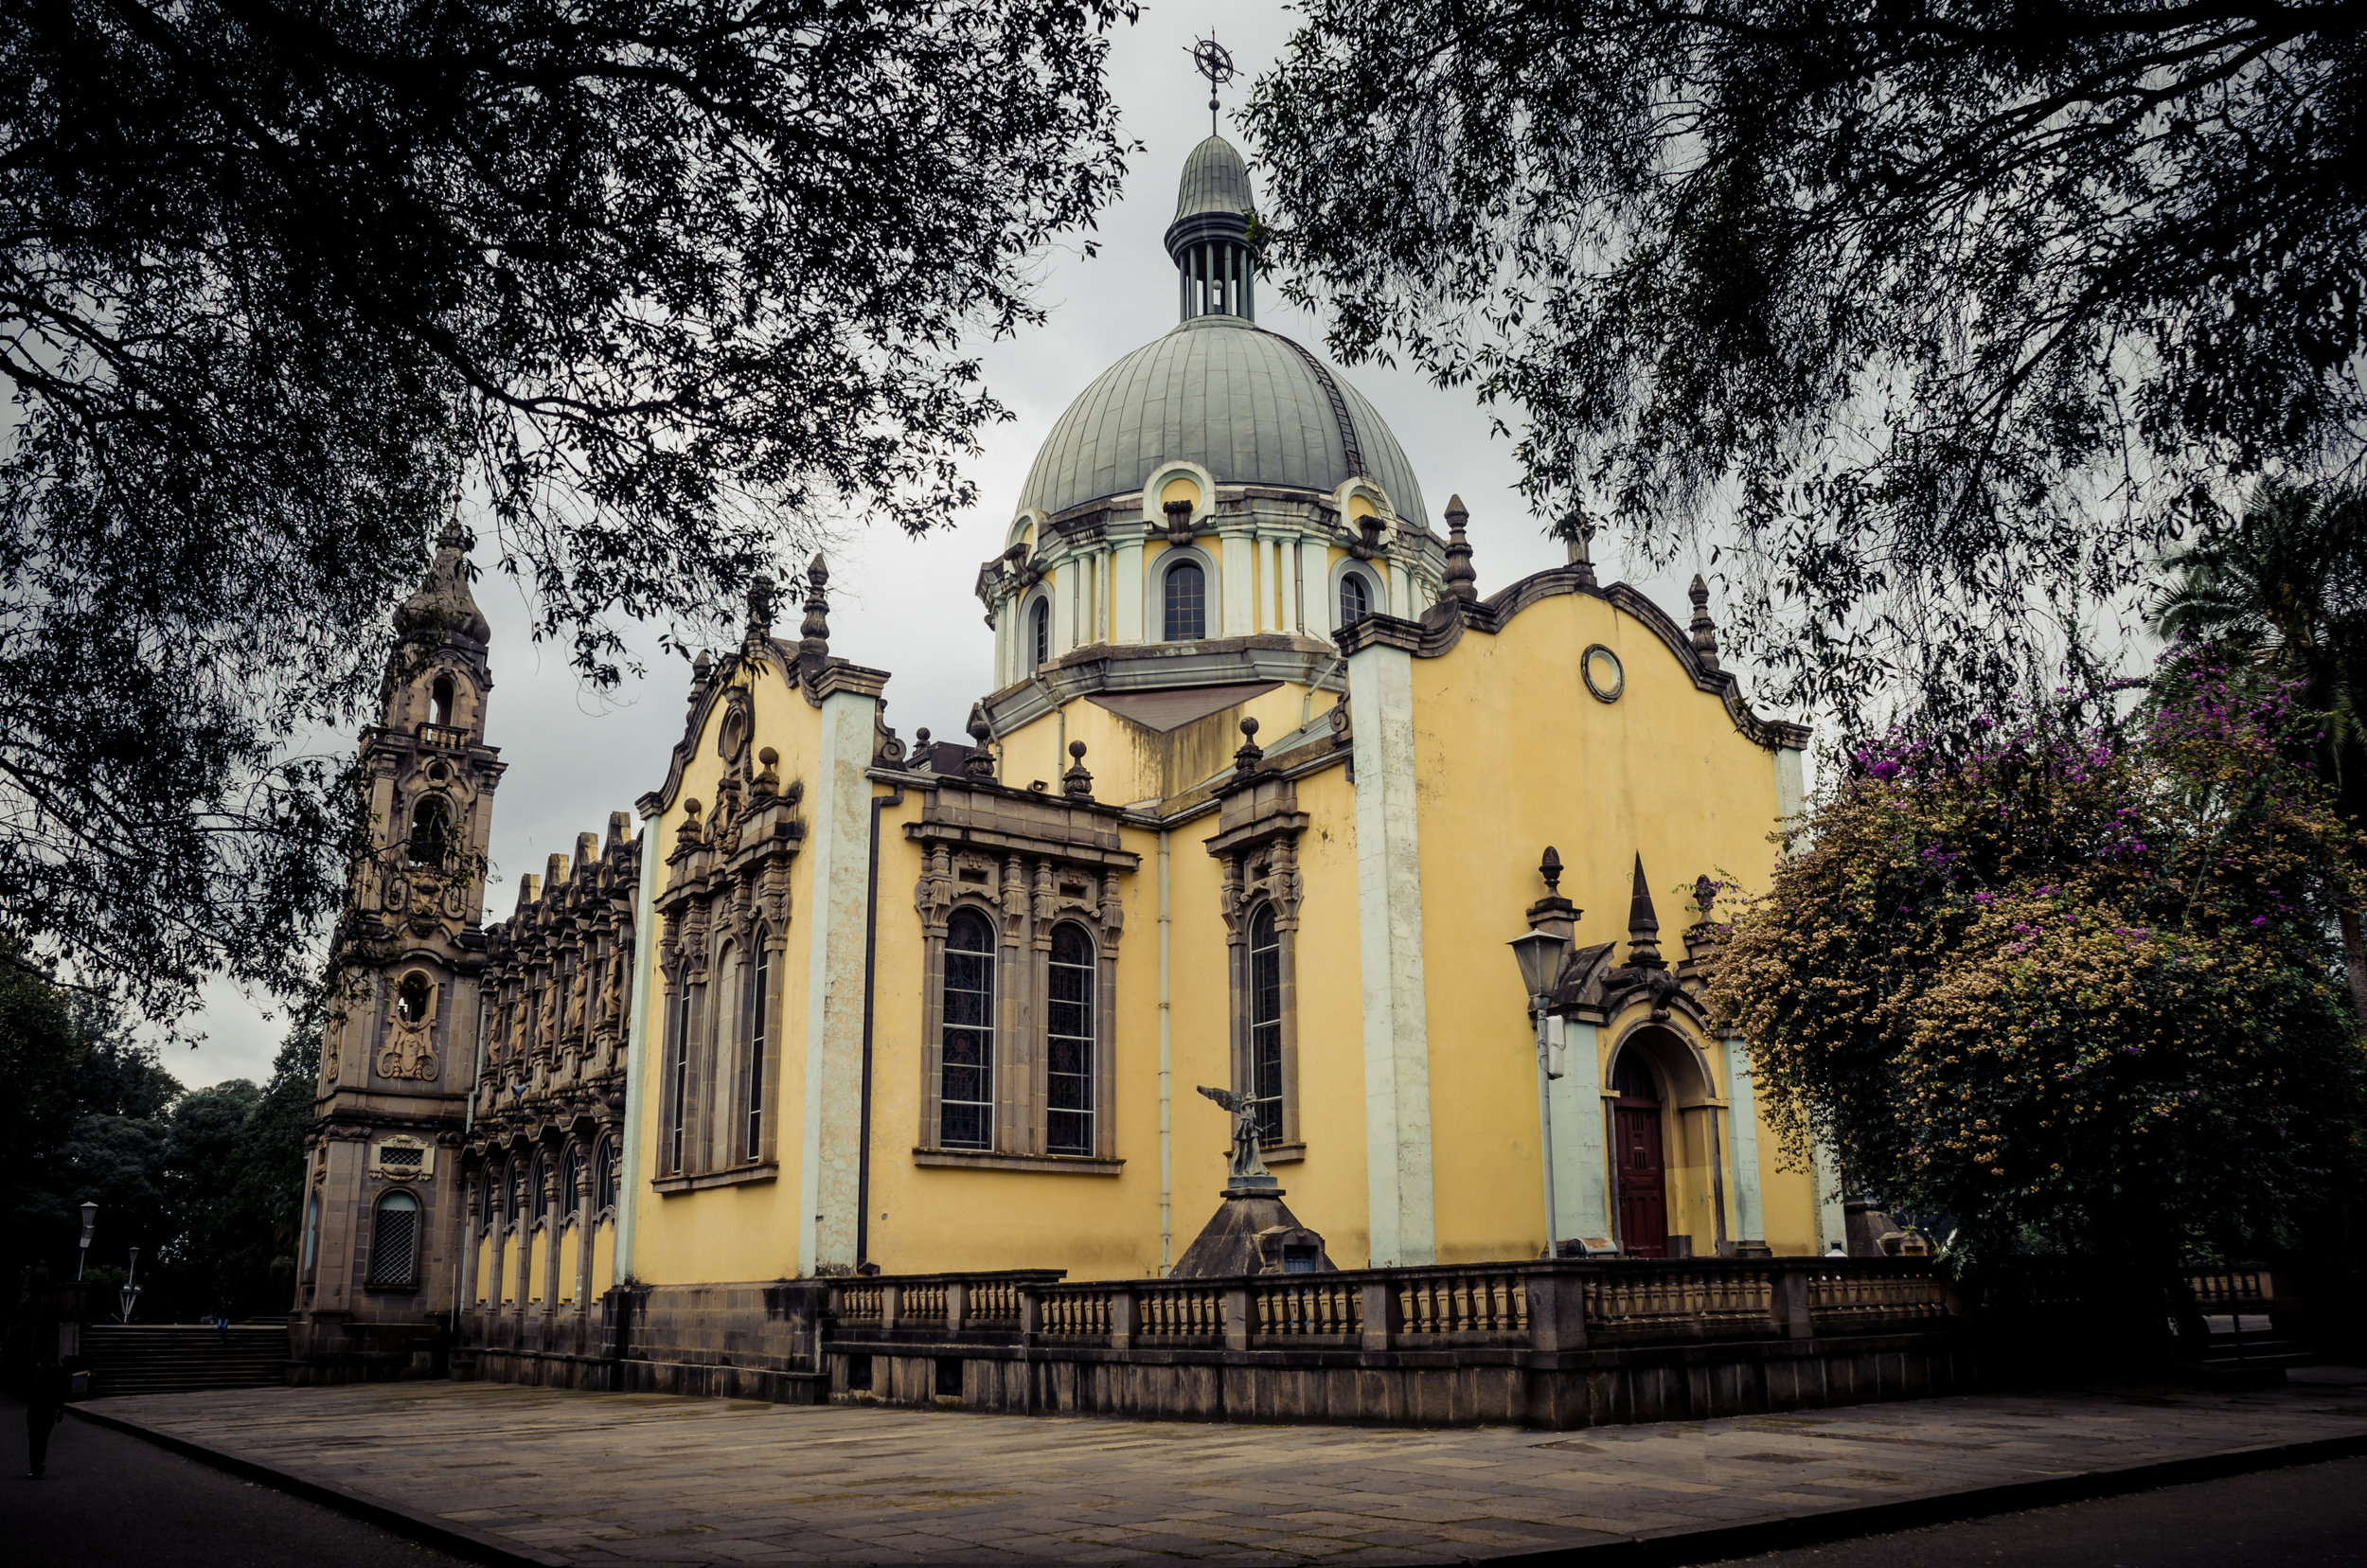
<point x="1642" y="1192"/>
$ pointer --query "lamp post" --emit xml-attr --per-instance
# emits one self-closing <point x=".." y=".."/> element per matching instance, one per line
<point x="130" y="1286"/>
<point x="1541" y="953"/>
<point x="90" y="1220"/>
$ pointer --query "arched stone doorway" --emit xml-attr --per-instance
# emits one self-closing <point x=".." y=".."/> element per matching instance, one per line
<point x="1639" y="1157"/>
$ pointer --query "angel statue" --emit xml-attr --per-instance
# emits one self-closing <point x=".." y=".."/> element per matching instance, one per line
<point x="1248" y="1167"/>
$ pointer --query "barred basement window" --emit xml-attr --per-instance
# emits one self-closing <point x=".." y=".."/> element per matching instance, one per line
<point x="1265" y="1036"/>
<point x="394" y="1241"/>
<point x="1069" y="1037"/>
<point x="966" y="1098"/>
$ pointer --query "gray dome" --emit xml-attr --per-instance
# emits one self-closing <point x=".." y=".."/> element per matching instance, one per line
<point x="1250" y="405"/>
<point x="1215" y="180"/>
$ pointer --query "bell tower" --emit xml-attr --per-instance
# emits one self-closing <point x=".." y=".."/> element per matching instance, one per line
<point x="383" y="1208"/>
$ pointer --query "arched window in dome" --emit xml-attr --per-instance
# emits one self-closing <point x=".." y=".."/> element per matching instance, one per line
<point x="1039" y="631"/>
<point x="1185" y="602"/>
<point x="1355" y="601"/>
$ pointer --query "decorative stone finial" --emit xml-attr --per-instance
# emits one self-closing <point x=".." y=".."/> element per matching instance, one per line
<point x="980" y="763"/>
<point x="529" y="888"/>
<point x="1461" y="580"/>
<point x="761" y="596"/>
<point x="1550" y="868"/>
<point x="924" y="751"/>
<point x="1704" y="630"/>
<point x="1179" y="514"/>
<point x="1251" y="757"/>
<point x="691" y="830"/>
<point x="554" y="872"/>
<point x="1076" y="783"/>
<point x="813" y="633"/>
<point x="1642" y="925"/>
<point x="619" y="829"/>
<point x="768" y="772"/>
<point x="1705" y="895"/>
<point x="587" y="849"/>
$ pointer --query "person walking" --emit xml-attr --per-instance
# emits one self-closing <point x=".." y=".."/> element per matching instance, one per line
<point x="45" y="1403"/>
<point x="221" y="1319"/>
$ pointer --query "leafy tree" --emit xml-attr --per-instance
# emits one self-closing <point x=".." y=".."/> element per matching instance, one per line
<point x="2074" y="981"/>
<point x="1952" y="311"/>
<point x="2286" y="588"/>
<point x="661" y="287"/>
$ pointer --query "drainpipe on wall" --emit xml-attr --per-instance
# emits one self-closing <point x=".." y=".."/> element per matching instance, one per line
<point x="1166" y="1130"/>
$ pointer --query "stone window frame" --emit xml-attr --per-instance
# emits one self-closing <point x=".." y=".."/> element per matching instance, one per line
<point x="1099" y="1039"/>
<point x="379" y="1207"/>
<point x="1155" y="591"/>
<point x="998" y="989"/>
<point x="1376" y="590"/>
<point x="1257" y="848"/>
<point x="1022" y="892"/>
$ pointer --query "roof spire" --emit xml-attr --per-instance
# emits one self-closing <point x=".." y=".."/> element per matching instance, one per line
<point x="813" y="633"/>
<point x="1704" y="630"/>
<point x="1213" y="61"/>
<point x="1642" y="925"/>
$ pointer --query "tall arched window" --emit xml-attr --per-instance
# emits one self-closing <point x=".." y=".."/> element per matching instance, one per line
<point x="312" y="1232"/>
<point x="431" y="831"/>
<point x="678" y="1086"/>
<point x="1265" y="1022"/>
<point x="541" y="1194"/>
<point x="1186" y="590"/>
<point x="604" y="1176"/>
<point x="1039" y="631"/>
<point x="1355" y="601"/>
<point x="395" y="1239"/>
<point x="759" y="988"/>
<point x="570" y="1177"/>
<point x="485" y="1202"/>
<point x="440" y="701"/>
<point x="965" y="1094"/>
<point x="1069" y="1039"/>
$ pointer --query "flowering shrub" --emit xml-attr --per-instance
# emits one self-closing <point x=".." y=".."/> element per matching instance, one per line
<point x="2074" y="984"/>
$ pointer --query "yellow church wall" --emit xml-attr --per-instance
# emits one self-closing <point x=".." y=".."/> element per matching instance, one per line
<point x="1513" y="754"/>
<point x="1133" y="763"/>
<point x="603" y="1258"/>
<point x="1787" y="1198"/>
<point x="747" y="1231"/>
<point x="570" y="1254"/>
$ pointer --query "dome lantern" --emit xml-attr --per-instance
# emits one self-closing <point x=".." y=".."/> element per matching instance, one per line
<point x="1215" y="263"/>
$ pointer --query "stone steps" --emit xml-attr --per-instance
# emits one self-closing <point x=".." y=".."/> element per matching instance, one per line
<point x="174" y="1358"/>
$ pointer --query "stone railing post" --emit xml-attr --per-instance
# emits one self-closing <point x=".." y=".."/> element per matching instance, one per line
<point x="1787" y="1303"/>
<point x="1123" y="1321"/>
<point x="1379" y="1307"/>
<point x="957" y="1305"/>
<point x="1030" y="1314"/>
<point x="1557" y="1311"/>
<point x="891" y="1305"/>
<point x="1237" y="1318"/>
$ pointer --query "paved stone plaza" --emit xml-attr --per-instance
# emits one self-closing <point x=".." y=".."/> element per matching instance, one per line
<point x="596" y="1478"/>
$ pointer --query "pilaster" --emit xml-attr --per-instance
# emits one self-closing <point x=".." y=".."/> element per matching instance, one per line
<point x="1389" y="934"/>
<point x="829" y="1173"/>
<point x="1581" y="1167"/>
<point x="1743" y="1138"/>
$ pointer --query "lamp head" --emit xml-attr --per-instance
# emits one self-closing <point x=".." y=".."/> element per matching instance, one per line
<point x="90" y="1220"/>
<point x="1540" y="954"/>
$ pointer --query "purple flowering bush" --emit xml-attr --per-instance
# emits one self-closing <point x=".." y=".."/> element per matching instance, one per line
<point x="2073" y="984"/>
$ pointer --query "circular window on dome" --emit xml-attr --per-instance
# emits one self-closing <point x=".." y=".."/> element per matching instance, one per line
<point x="1604" y="676"/>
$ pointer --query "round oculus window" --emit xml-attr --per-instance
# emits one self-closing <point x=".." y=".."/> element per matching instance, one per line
<point x="1604" y="677"/>
<point x="733" y="742"/>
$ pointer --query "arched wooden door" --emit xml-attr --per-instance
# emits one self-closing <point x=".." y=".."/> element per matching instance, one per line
<point x="1641" y="1166"/>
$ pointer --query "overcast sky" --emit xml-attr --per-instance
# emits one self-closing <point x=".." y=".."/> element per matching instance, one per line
<point x="906" y="606"/>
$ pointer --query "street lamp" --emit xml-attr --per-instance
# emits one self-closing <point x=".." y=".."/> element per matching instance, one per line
<point x="90" y="1220"/>
<point x="1542" y="952"/>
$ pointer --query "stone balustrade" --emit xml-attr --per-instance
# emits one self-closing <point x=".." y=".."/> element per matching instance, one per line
<point x="1556" y="1341"/>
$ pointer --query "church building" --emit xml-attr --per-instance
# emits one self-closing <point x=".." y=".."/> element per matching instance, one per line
<point x="1259" y="797"/>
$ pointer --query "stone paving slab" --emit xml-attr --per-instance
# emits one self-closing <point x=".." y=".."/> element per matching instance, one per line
<point x="569" y="1478"/>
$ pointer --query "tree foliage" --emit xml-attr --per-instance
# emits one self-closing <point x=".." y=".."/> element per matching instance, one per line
<point x="2075" y="982"/>
<point x="205" y="1182"/>
<point x="660" y="286"/>
<point x="1950" y="313"/>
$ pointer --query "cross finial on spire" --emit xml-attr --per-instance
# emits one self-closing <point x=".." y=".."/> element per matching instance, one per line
<point x="1213" y="61"/>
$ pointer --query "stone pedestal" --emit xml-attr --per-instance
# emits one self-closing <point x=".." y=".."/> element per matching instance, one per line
<point x="1253" y="1231"/>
